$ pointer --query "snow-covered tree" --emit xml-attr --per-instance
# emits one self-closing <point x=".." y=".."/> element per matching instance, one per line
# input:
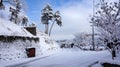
<point x="107" y="20"/>
<point x="17" y="13"/>
<point x="57" y="19"/>
<point x="80" y="39"/>
<point x="47" y="16"/>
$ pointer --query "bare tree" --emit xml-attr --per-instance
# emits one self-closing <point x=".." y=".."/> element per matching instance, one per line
<point x="107" y="19"/>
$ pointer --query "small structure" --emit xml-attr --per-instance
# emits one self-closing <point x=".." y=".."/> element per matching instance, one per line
<point x="32" y="30"/>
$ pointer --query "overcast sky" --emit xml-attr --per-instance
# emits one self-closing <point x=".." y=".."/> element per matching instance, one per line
<point x="75" y="16"/>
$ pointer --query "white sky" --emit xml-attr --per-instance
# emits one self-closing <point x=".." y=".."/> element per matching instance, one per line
<point x="75" y="17"/>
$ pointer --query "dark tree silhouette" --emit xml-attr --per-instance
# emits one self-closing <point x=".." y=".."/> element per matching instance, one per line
<point x="1" y="5"/>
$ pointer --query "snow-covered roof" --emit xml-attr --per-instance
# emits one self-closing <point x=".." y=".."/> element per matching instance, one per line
<point x="9" y="28"/>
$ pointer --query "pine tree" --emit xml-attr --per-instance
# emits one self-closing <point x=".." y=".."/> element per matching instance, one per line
<point x="15" y="12"/>
<point x="48" y="15"/>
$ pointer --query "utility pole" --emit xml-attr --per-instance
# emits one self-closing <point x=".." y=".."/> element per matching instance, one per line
<point x="93" y="39"/>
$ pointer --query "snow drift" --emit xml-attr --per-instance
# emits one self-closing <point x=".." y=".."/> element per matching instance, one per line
<point x="9" y="28"/>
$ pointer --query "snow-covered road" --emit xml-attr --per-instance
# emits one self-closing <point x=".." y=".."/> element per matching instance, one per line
<point x="69" y="58"/>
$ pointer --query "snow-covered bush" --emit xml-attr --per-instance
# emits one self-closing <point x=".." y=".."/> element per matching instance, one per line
<point x="81" y="39"/>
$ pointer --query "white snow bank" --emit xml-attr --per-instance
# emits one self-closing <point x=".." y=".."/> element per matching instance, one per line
<point x="47" y="45"/>
<point x="10" y="29"/>
<point x="109" y="60"/>
<point x="22" y="61"/>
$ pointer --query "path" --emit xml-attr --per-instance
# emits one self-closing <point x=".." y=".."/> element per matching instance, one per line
<point x="69" y="58"/>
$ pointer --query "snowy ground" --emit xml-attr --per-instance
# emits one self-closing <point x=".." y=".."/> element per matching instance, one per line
<point x="68" y="58"/>
<point x="108" y="59"/>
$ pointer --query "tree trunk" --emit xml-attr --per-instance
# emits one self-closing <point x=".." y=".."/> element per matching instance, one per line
<point x="51" y="28"/>
<point x="46" y="28"/>
<point x="113" y="54"/>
